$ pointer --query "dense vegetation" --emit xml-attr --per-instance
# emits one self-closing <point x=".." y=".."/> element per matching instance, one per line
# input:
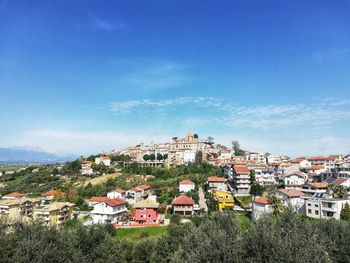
<point x="287" y="237"/>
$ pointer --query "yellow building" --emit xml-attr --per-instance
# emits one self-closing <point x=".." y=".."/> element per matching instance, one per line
<point x="18" y="209"/>
<point x="53" y="214"/>
<point x="223" y="199"/>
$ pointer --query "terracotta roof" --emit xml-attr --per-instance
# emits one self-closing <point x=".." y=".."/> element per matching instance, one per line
<point x="183" y="200"/>
<point x="146" y="203"/>
<point x="261" y="200"/>
<point x="322" y="158"/>
<point x="144" y="187"/>
<point x="14" y="194"/>
<point x="241" y="169"/>
<point x="296" y="173"/>
<point x="291" y="192"/>
<point x="115" y="202"/>
<point x="296" y="160"/>
<point x="216" y="179"/>
<point x="187" y="182"/>
<point x="119" y="190"/>
<point x="319" y="185"/>
<point x="52" y="193"/>
<point x="317" y="167"/>
<point x="98" y="199"/>
<point x="136" y="189"/>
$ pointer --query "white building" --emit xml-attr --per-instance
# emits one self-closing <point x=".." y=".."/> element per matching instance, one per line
<point x="241" y="180"/>
<point x="324" y="206"/>
<point x="260" y="207"/>
<point x="309" y="189"/>
<point x="14" y="196"/>
<point x="186" y="186"/>
<point x="109" y="211"/>
<point x="265" y="176"/>
<point x="117" y="193"/>
<point x="216" y="183"/>
<point x="86" y="171"/>
<point x="302" y="163"/>
<point x="290" y="197"/>
<point x="295" y="180"/>
<point x="103" y="160"/>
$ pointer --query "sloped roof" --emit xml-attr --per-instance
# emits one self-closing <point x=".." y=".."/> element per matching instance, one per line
<point x="119" y="190"/>
<point x="261" y="200"/>
<point x="52" y="193"/>
<point x="187" y="182"/>
<point x="291" y="192"/>
<point x="115" y="202"/>
<point x="15" y="194"/>
<point x="183" y="200"/>
<point x="144" y="187"/>
<point x="98" y="199"/>
<point x="241" y="169"/>
<point x="339" y="181"/>
<point x="319" y="185"/>
<point x="216" y="179"/>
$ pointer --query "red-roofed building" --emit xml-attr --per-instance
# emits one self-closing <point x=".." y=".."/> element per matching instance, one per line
<point x="183" y="205"/>
<point x="138" y="193"/>
<point x="96" y="199"/>
<point x="117" y="193"/>
<point x="290" y="197"/>
<point x="260" y="207"/>
<point x="50" y="195"/>
<point x="14" y="196"/>
<point x="186" y="186"/>
<point x="216" y="183"/>
<point x="241" y="179"/>
<point x="295" y="180"/>
<point x="109" y="211"/>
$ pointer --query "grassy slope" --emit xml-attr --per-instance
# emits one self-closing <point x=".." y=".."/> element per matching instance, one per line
<point x="134" y="233"/>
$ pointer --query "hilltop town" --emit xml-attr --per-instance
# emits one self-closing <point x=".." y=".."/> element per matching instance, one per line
<point x="146" y="185"/>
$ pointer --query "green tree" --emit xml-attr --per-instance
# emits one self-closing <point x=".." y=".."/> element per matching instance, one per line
<point x="146" y="157"/>
<point x="277" y="205"/>
<point x="345" y="212"/>
<point x="152" y="156"/>
<point x="256" y="189"/>
<point x="159" y="157"/>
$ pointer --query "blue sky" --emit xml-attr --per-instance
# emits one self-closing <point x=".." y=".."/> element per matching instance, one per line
<point x="86" y="76"/>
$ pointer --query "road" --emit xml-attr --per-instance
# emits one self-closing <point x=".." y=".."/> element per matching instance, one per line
<point x="202" y="203"/>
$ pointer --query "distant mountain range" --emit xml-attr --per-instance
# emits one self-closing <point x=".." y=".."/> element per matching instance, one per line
<point x="29" y="154"/>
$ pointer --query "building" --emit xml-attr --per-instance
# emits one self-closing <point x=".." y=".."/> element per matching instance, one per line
<point x="109" y="211"/>
<point x="223" y="199"/>
<point x="117" y="193"/>
<point x="95" y="200"/>
<point x="15" y="210"/>
<point x="291" y="198"/>
<point x="309" y="189"/>
<point x="14" y="196"/>
<point x="186" y="186"/>
<point x="53" y="214"/>
<point x="86" y="171"/>
<point x="183" y="205"/>
<point x="241" y="179"/>
<point x="301" y="163"/>
<point x="324" y="206"/>
<point x="103" y="160"/>
<point x="50" y="195"/>
<point x="260" y="207"/>
<point x="295" y="180"/>
<point x="216" y="183"/>
<point x="146" y="212"/>
<point x="265" y="176"/>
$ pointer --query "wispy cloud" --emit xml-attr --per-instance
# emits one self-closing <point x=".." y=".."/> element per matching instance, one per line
<point x="225" y="113"/>
<point x="97" y="23"/>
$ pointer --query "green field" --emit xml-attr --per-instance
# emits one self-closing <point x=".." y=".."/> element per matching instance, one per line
<point x="11" y="167"/>
<point x="140" y="232"/>
<point x="244" y="220"/>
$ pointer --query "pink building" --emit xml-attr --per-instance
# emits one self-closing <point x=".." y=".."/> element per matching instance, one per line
<point x="146" y="212"/>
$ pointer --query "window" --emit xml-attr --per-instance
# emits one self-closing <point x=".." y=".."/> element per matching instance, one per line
<point x="316" y="212"/>
<point x="309" y="211"/>
<point x="308" y="204"/>
<point x="316" y="205"/>
<point x="149" y="216"/>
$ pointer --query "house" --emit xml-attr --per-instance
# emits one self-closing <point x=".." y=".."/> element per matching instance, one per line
<point x="295" y="180"/>
<point x="324" y="206"/>
<point x="146" y="190"/>
<point x="137" y="193"/>
<point x="86" y="171"/>
<point x="53" y="214"/>
<point x="186" y="186"/>
<point x="109" y="211"/>
<point x="183" y="205"/>
<point x="14" y="196"/>
<point x="309" y="189"/>
<point x="117" y="193"/>
<point x="103" y="160"/>
<point x="15" y="210"/>
<point x="146" y="212"/>
<point x="265" y="176"/>
<point x="302" y="163"/>
<point x="216" y="183"/>
<point x="95" y="200"/>
<point x="223" y="199"/>
<point x="290" y="197"/>
<point x="341" y="182"/>
<point x="50" y="195"/>
<point x="241" y="179"/>
<point x="260" y="207"/>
